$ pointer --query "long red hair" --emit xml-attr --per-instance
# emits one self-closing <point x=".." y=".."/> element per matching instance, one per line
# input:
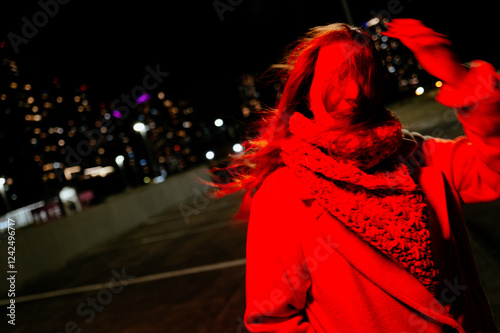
<point x="261" y="154"/>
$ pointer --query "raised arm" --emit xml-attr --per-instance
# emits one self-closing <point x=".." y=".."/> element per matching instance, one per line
<point x="471" y="163"/>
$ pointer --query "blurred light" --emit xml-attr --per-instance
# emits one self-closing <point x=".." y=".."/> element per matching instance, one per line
<point x="392" y="69"/>
<point x="186" y="124"/>
<point x="3" y="97"/>
<point x="31" y="100"/>
<point x="83" y="87"/>
<point x="373" y="21"/>
<point x="143" y="162"/>
<point x="57" y="165"/>
<point x="61" y="142"/>
<point x="69" y="171"/>
<point x="144" y="97"/>
<point x="419" y="91"/>
<point x="177" y="147"/>
<point x="27" y="86"/>
<point x="245" y="111"/>
<point x="161" y="95"/>
<point x="59" y="99"/>
<point x="146" y="180"/>
<point x="98" y="171"/>
<point x="117" y="114"/>
<point x="119" y="160"/>
<point x="141" y="117"/>
<point x="237" y="148"/>
<point x="13" y="85"/>
<point x="159" y="179"/>
<point x="77" y="99"/>
<point x="210" y="155"/>
<point x="139" y="127"/>
<point x="439" y="84"/>
<point x="2" y="181"/>
<point x="218" y="122"/>
<point x="67" y="193"/>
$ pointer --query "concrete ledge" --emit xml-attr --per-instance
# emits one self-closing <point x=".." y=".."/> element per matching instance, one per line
<point x="45" y="248"/>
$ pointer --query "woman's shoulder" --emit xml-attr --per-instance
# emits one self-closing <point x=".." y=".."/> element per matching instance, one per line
<point x="282" y="185"/>
<point x="279" y="203"/>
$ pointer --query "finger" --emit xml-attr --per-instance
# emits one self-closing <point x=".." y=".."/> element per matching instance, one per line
<point x="405" y="22"/>
<point x="390" y="33"/>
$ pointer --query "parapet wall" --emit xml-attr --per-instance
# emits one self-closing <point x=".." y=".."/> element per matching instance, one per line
<point x="41" y="249"/>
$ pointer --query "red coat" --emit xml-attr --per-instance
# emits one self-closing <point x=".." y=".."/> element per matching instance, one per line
<point x="307" y="272"/>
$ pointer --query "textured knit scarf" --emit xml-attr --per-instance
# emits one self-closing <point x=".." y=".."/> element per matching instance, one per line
<point x="358" y="179"/>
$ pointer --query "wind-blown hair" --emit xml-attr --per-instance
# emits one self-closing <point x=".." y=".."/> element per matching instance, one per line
<point x="261" y="154"/>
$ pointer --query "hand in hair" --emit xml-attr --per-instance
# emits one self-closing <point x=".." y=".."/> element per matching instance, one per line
<point x="432" y="50"/>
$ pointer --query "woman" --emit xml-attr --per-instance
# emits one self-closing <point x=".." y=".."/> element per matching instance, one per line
<point x="355" y="224"/>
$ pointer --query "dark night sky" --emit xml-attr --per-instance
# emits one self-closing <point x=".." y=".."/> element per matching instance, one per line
<point x="107" y="44"/>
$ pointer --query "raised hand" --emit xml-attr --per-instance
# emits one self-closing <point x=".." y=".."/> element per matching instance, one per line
<point x="432" y="50"/>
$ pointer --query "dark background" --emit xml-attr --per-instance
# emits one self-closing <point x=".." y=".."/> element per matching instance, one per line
<point x="107" y="44"/>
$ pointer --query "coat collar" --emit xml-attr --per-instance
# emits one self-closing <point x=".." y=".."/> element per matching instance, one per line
<point x="408" y="146"/>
